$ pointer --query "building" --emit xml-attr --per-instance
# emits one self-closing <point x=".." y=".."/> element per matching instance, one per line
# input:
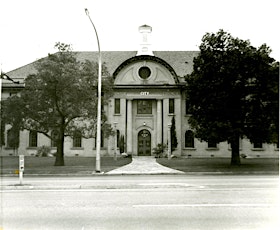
<point x="148" y="93"/>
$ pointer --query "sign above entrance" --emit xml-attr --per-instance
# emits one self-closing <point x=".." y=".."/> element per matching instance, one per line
<point x="144" y="93"/>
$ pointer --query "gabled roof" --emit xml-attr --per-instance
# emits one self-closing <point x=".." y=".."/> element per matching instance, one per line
<point x="180" y="61"/>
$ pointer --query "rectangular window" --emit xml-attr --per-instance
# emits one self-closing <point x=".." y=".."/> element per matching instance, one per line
<point x="33" y="139"/>
<point x="171" y="105"/>
<point x="54" y="137"/>
<point x="212" y="144"/>
<point x="117" y="106"/>
<point x="189" y="139"/>
<point x="187" y="107"/>
<point x="77" y="140"/>
<point x="258" y="145"/>
<point x="144" y="107"/>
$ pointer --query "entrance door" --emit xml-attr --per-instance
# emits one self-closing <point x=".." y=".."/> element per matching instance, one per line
<point x="144" y="143"/>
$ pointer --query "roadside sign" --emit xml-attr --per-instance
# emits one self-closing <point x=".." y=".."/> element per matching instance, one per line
<point x="21" y="163"/>
<point x="21" y="168"/>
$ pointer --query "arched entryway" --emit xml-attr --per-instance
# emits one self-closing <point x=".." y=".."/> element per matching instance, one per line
<point x="144" y="143"/>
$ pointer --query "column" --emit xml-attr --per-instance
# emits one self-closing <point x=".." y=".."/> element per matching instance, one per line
<point x="129" y="127"/>
<point x="159" y="121"/>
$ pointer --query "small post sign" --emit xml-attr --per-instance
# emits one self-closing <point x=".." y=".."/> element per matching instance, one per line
<point x="21" y="168"/>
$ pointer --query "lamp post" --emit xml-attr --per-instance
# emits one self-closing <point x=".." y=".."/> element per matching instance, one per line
<point x="98" y="133"/>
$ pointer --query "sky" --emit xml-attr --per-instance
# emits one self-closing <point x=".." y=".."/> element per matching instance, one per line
<point x="30" y="28"/>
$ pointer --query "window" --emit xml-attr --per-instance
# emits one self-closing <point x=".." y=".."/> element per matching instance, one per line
<point x="144" y="72"/>
<point x="54" y="136"/>
<point x="187" y="107"/>
<point x="12" y="138"/>
<point x="33" y="139"/>
<point x="258" y="145"/>
<point x="144" y="107"/>
<point x="117" y="106"/>
<point x="171" y="105"/>
<point x="77" y="140"/>
<point x="189" y="139"/>
<point x="118" y="138"/>
<point x="212" y="144"/>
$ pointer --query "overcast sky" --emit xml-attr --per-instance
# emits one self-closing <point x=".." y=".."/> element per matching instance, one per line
<point x="30" y="28"/>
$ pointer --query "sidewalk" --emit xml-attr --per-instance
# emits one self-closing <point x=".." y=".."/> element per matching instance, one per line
<point x="143" y="165"/>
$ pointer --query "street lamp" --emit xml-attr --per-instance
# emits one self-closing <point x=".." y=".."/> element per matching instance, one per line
<point x="98" y="134"/>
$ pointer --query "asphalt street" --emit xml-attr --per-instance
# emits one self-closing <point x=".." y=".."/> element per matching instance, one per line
<point x="141" y="202"/>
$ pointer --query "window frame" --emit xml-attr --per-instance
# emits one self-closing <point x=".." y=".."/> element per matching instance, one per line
<point x="77" y="140"/>
<point x="33" y="139"/>
<point x="171" y="106"/>
<point x="117" y="106"/>
<point x="189" y="135"/>
<point x="144" y="109"/>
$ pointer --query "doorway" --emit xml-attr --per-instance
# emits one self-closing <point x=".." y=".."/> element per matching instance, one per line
<point x="144" y="143"/>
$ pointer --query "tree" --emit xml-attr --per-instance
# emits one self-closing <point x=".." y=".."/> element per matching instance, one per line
<point x="174" y="141"/>
<point x="233" y="92"/>
<point x="61" y="97"/>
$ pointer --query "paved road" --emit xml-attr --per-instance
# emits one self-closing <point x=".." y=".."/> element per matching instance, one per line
<point x="141" y="202"/>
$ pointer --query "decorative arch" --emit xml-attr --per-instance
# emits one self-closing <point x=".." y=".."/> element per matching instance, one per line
<point x="146" y="58"/>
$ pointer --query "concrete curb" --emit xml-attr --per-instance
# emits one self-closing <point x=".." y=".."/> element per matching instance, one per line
<point x="141" y="173"/>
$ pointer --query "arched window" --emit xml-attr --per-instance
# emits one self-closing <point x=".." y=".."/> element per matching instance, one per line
<point x="189" y="139"/>
<point x="33" y="139"/>
<point x="77" y="139"/>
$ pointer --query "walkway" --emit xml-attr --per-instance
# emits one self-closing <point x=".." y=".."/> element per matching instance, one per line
<point x="143" y="165"/>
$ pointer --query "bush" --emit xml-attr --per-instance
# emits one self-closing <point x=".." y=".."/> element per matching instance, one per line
<point x="43" y="151"/>
<point x="160" y="150"/>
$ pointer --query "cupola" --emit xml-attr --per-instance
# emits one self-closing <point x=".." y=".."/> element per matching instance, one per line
<point x="145" y="42"/>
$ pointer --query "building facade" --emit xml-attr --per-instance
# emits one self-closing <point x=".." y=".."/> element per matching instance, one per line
<point x="148" y="93"/>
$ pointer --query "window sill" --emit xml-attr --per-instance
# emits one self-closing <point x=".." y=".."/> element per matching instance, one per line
<point x="212" y="149"/>
<point x="77" y="148"/>
<point x="189" y="148"/>
<point x="257" y="149"/>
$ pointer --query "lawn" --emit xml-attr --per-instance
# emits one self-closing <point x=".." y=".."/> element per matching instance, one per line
<point x="73" y="165"/>
<point x="248" y="165"/>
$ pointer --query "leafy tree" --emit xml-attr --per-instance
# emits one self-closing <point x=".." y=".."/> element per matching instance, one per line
<point x="174" y="142"/>
<point x="233" y="92"/>
<point x="61" y="97"/>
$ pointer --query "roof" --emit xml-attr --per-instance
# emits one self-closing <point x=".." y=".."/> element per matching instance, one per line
<point x="180" y="61"/>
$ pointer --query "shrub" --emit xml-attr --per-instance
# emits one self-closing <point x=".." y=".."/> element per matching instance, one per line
<point x="43" y="151"/>
<point x="160" y="150"/>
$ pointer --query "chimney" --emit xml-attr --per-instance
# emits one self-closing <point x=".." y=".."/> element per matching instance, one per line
<point x="145" y="45"/>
